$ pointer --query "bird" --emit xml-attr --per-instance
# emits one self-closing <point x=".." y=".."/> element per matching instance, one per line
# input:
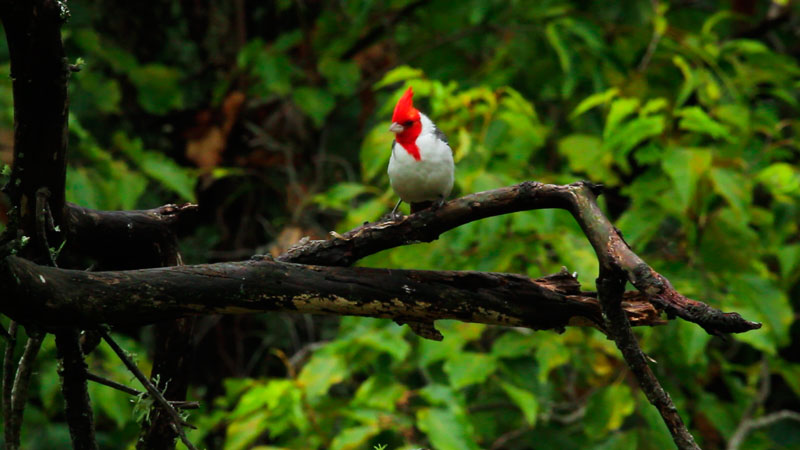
<point x="421" y="168"/>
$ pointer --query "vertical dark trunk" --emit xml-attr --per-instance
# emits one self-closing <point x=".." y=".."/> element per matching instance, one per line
<point x="73" y="387"/>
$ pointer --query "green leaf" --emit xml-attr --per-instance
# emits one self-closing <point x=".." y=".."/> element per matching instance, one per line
<point x="380" y="391"/>
<point x="585" y="154"/>
<point x="354" y="438"/>
<point x="342" y="76"/>
<point x="601" y="98"/>
<point x="686" y="167"/>
<point x="445" y="430"/>
<point x="556" y="40"/>
<point x="513" y="344"/>
<point x="693" y="118"/>
<point x="401" y="73"/>
<point x="693" y="340"/>
<point x="606" y="410"/>
<point x="375" y="152"/>
<point x="689" y="80"/>
<point x="525" y="400"/>
<point x="761" y="300"/>
<point x="653" y="106"/>
<point x="632" y="133"/>
<point x="342" y="195"/>
<point x="550" y="353"/>
<point x="157" y="166"/>
<point x="387" y="340"/>
<point x="159" y="88"/>
<point x="620" y="109"/>
<point x="734" y="188"/>
<point x="317" y="103"/>
<point x="466" y="368"/>
<point x="321" y="372"/>
<point x="782" y="180"/>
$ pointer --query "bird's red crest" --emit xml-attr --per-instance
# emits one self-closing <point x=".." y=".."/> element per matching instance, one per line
<point x="404" y="110"/>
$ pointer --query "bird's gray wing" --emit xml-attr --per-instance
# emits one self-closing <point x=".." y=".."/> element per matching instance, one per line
<point x="439" y="135"/>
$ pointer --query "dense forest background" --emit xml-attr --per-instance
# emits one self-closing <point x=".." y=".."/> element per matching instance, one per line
<point x="274" y="116"/>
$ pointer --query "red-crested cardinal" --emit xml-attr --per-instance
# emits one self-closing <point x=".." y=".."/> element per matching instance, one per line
<point x="421" y="168"/>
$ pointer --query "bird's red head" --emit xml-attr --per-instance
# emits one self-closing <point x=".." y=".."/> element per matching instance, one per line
<point x="406" y="124"/>
<point x="404" y="111"/>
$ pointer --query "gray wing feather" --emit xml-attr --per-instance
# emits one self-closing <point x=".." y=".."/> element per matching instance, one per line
<point x="439" y="135"/>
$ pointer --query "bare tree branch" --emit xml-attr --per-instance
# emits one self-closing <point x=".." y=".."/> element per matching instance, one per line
<point x="750" y="425"/>
<point x="577" y="198"/>
<point x="19" y="391"/>
<point x="178" y="422"/>
<point x="610" y="288"/>
<point x="56" y="296"/>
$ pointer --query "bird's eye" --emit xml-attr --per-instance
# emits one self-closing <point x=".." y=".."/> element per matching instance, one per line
<point x="408" y="123"/>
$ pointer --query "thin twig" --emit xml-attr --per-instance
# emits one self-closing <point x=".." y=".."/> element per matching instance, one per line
<point x="135" y="392"/>
<point x="8" y="378"/>
<point x="748" y="426"/>
<point x="651" y="47"/>
<point x="152" y="390"/>
<point x="610" y="287"/>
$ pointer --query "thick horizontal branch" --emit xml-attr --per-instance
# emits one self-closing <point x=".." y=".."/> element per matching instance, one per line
<point x="58" y="297"/>
<point x="577" y="198"/>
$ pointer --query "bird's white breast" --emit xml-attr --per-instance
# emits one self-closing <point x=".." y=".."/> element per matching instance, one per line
<point x="430" y="178"/>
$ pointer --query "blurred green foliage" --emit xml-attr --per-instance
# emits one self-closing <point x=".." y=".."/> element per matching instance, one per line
<point x="688" y="113"/>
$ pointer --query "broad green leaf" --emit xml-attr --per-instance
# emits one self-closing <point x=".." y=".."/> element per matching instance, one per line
<point x="789" y="258"/>
<point x="585" y="154"/>
<point x="81" y="190"/>
<point x="388" y="340"/>
<point x="354" y="438"/>
<point x="159" y="88"/>
<point x="760" y="300"/>
<point x="380" y="391"/>
<point x="632" y="133"/>
<point x="445" y="430"/>
<point x="653" y="106"/>
<point x="513" y="344"/>
<point x="375" y="152"/>
<point x="317" y="103"/>
<point x="550" y="353"/>
<point x="782" y="180"/>
<point x="342" y="195"/>
<point x="734" y="188"/>
<point x="157" y="166"/>
<point x="693" y="340"/>
<point x="401" y="73"/>
<point x="606" y="410"/>
<point x="321" y="372"/>
<point x="620" y="109"/>
<point x="343" y="77"/>
<point x="525" y="400"/>
<point x="601" y="98"/>
<point x="466" y="368"/>
<point x="686" y="167"/>
<point x="242" y="433"/>
<point x="693" y="118"/>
